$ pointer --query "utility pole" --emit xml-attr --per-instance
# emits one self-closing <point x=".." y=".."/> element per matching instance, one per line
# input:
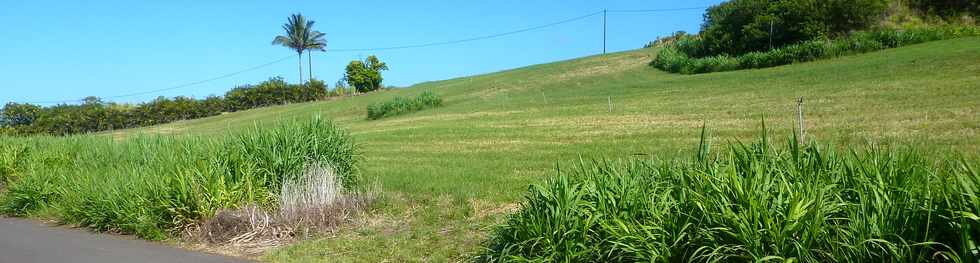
<point x="603" y="31"/>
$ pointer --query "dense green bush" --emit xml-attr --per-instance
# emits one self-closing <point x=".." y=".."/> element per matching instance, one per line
<point x="274" y="91"/>
<point x="667" y="40"/>
<point x="672" y="58"/>
<point x="755" y="203"/>
<point x="946" y="8"/>
<point x="365" y="76"/>
<point x="155" y="186"/>
<point x="17" y="114"/>
<point x="402" y="105"/>
<point x="739" y="34"/>
<point x="94" y="115"/>
<point x="737" y="27"/>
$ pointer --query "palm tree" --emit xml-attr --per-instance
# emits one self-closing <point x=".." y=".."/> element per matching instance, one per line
<point x="296" y="38"/>
<point x="316" y="42"/>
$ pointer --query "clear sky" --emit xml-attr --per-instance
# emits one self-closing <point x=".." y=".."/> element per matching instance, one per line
<point x="66" y="50"/>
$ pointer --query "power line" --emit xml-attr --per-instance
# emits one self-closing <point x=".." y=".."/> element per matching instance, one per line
<point x="657" y="10"/>
<point x="467" y="39"/>
<point x="175" y="87"/>
<point x="203" y="81"/>
<point x="431" y="44"/>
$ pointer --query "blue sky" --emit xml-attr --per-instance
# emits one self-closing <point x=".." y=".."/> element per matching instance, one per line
<point x="65" y="50"/>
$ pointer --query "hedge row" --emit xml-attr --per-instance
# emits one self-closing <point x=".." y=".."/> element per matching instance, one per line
<point x="674" y="57"/>
<point x="94" y="115"/>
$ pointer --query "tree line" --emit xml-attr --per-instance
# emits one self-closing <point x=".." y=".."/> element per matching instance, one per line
<point x="742" y="34"/>
<point x="94" y="114"/>
<point x="738" y="27"/>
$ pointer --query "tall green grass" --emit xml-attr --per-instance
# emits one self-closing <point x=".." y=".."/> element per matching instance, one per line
<point x="155" y="186"/>
<point x="402" y="105"/>
<point x="755" y="203"/>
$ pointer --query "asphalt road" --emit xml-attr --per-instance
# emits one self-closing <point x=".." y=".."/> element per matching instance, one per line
<point x="23" y="241"/>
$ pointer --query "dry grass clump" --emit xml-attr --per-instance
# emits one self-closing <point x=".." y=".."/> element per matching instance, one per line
<point x="313" y="203"/>
<point x="316" y="201"/>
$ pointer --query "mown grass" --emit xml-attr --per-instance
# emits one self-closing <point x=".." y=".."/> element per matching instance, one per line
<point x="451" y="173"/>
<point x="154" y="186"/>
<point x="454" y="172"/>
<point x="752" y="203"/>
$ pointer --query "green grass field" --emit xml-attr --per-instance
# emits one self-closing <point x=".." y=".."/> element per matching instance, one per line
<point x="450" y="173"/>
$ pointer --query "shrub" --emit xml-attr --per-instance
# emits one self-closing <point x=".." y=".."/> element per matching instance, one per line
<point x="671" y="39"/>
<point x="673" y="58"/>
<point x="16" y="114"/>
<point x="669" y="59"/>
<point x="274" y="91"/>
<point x="156" y="186"/>
<point x="756" y="203"/>
<point x="740" y="26"/>
<point x="692" y="46"/>
<point x="402" y="105"/>
<point x="715" y="64"/>
<point x="365" y="76"/>
<point x="95" y="115"/>
<point x="946" y="8"/>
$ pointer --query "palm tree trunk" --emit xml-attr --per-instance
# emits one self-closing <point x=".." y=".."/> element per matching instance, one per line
<point x="309" y="55"/>
<point x="300" y="56"/>
<point x="300" y="63"/>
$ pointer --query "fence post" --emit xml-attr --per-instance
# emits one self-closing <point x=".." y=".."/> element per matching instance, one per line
<point x="609" y="100"/>
<point x="799" y="112"/>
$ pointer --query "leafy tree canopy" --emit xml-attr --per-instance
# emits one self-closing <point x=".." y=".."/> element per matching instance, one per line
<point x="741" y="26"/>
<point x="365" y="75"/>
<point x="17" y="114"/>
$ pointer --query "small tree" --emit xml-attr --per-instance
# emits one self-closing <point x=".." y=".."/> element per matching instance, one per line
<point x="365" y="75"/>
<point x="16" y="114"/>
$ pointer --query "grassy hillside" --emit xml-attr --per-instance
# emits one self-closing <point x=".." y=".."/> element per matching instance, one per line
<point x="451" y="172"/>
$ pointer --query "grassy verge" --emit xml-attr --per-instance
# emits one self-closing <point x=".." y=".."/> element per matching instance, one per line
<point x="452" y="173"/>
<point x="752" y="202"/>
<point x="154" y="186"/>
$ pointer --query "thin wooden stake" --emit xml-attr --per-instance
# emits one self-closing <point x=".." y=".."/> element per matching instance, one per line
<point x="799" y="111"/>
<point x="609" y="100"/>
